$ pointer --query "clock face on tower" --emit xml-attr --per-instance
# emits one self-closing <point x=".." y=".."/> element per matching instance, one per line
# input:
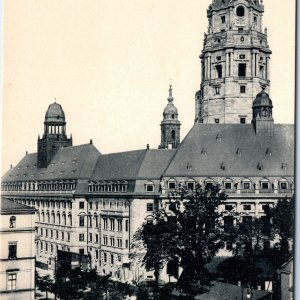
<point x="264" y="112"/>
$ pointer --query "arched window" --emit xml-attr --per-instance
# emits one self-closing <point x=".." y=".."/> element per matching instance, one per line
<point x="48" y="217"/>
<point x="43" y="217"/>
<point x="240" y="11"/>
<point x="173" y="135"/>
<point x="12" y="222"/>
<point x="58" y="218"/>
<point x="70" y="219"/>
<point x="64" y="219"/>
<point x="53" y="217"/>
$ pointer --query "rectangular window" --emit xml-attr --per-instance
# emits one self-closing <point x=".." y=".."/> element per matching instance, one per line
<point x="126" y="244"/>
<point x="112" y="241"/>
<point x="96" y="238"/>
<point x="90" y="237"/>
<point x="81" y="251"/>
<point x="11" y="281"/>
<point x="149" y="206"/>
<point x="242" y="70"/>
<point x="149" y="188"/>
<point x="172" y="185"/>
<point x="127" y="225"/>
<point x="119" y="224"/>
<point x="219" y="57"/>
<point x="97" y="254"/>
<point x="191" y="185"/>
<point x="81" y="205"/>
<point x="217" y="90"/>
<point x="62" y="235"/>
<point x="105" y="240"/>
<point x="91" y="205"/>
<point x="81" y="221"/>
<point x="219" y="71"/>
<point x="264" y="185"/>
<point x="255" y="19"/>
<point x="242" y="89"/>
<point x="228" y="185"/>
<point x="105" y="223"/>
<point x="119" y="242"/>
<point x="228" y="207"/>
<point x="283" y="185"/>
<point x="243" y="120"/>
<point x="240" y="30"/>
<point x="96" y="205"/>
<point x="223" y="19"/>
<point x="12" y="251"/>
<point x="247" y="207"/>
<point x="105" y="257"/>
<point x="112" y="224"/>
<point x="81" y="237"/>
<point x="246" y="185"/>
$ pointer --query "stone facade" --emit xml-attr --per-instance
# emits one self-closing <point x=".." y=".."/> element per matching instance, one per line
<point x="17" y="258"/>
<point x="234" y="62"/>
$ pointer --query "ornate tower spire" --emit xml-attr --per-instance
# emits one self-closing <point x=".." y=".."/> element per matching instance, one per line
<point x="234" y="62"/>
<point x="170" y="126"/>
<point x="54" y="136"/>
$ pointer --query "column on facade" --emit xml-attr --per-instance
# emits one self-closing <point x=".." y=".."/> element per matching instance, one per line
<point x="209" y="67"/>
<point x="256" y="207"/>
<point x="231" y="64"/>
<point x="227" y="63"/>
<point x="267" y="68"/>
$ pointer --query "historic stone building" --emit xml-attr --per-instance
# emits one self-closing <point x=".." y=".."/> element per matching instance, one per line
<point x="234" y="60"/>
<point x="92" y="203"/>
<point x="17" y="255"/>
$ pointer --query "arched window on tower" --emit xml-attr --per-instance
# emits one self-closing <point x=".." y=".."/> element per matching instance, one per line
<point x="173" y="134"/>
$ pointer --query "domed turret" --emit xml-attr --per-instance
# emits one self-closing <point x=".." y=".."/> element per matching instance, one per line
<point x="262" y="114"/>
<point x="170" y="126"/>
<point x="262" y="99"/>
<point x="55" y="114"/>
<point x="54" y="136"/>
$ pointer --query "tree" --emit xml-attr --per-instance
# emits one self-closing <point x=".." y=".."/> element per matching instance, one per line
<point x="282" y="228"/>
<point x="44" y="283"/>
<point x="189" y="228"/>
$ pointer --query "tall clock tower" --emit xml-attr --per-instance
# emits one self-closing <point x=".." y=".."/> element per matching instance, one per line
<point x="234" y="62"/>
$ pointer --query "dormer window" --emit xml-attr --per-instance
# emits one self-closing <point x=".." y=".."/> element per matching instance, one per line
<point x="190" y="184"/>
<point x="219" y="138"/>
<point x="269" y="152"/>
<point x="284" y="166"/>
<point x="150" y="187"/>
<point x="203" y="152"/>
<point x="228" y="185"/>
<point x="172" y="184"/>
<point x="259" y="166"/>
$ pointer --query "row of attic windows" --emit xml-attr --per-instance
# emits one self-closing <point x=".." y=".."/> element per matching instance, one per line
<point x="229" y="184"/>
<point x="108" y="187"/>
<point x="46" y="203"/>
<point x="61" y="185"/>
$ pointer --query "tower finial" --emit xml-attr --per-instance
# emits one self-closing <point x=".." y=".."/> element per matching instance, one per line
<point x="170" y="99"/>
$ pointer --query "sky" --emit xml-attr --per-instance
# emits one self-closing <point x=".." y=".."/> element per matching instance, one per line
<point x="109" y="64"/>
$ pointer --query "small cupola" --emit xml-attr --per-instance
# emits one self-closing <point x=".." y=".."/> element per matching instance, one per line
<point x="262" y="114"/>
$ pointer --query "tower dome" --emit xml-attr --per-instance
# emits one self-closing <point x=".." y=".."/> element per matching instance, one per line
<point x="55" y="114"/>
<point x="170" y="111"/>
<point x="262" y="100"/>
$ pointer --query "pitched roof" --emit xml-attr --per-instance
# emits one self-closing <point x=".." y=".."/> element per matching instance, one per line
<point x="9" y="206"/>
<point x="75" y="162"/>
<point x="132" y="165"/>
<point x="237" y="148"/>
